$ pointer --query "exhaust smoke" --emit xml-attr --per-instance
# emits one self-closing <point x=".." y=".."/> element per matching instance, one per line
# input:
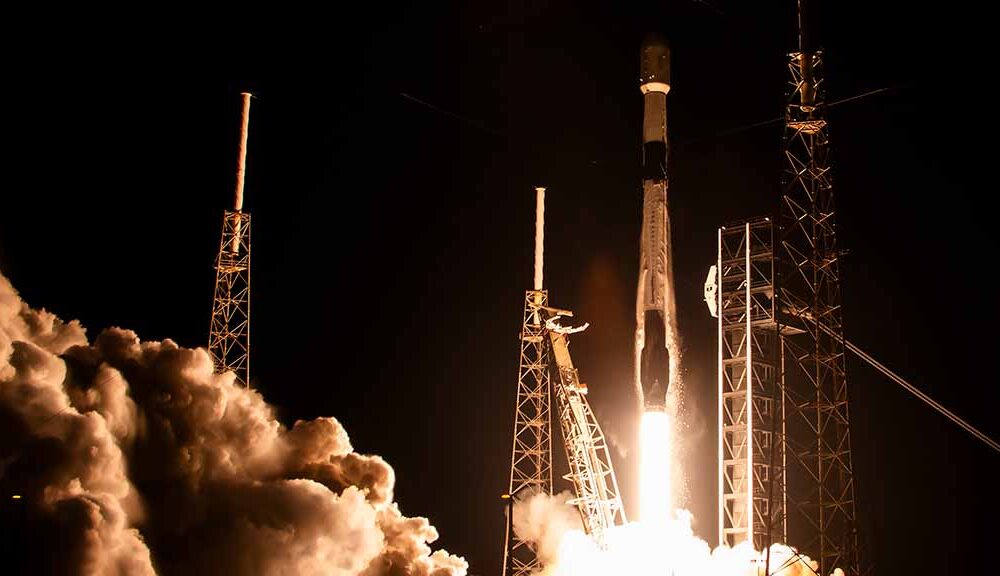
<point x="135" y="458"/>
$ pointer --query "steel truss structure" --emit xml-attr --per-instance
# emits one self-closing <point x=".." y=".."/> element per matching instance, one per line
<point x="531" y="456"/>
<point x="751" y="461"/>
<point x="545" y="346"/>
<point x="820" y="487"/>
<point x="229" y="334"/>
<point x="590" y="469"/>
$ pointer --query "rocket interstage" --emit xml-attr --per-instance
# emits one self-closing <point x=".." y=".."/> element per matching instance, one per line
<point x="656" y="333"/>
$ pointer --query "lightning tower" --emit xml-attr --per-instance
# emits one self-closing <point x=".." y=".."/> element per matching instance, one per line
<point x="784" y="441"/>
<point x="817" y="443"/>
<point x="229" y="334"/>
<point x="531" y="457"/>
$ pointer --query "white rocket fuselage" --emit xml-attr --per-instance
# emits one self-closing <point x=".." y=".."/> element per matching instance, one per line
<point x="656" y="348"/>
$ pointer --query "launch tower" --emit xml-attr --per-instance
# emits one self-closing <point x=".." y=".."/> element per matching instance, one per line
<point x="784" y="441"/>
<point x="545" y="346"/>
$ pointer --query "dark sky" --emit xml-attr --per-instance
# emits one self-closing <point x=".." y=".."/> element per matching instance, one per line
<point x="392" y="240"/>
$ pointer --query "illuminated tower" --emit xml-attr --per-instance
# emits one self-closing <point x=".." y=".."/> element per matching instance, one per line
<point x="820" y="487"/>
<point x="229" y="335"/>
<point x="785" y="470"/>
<point x="531" y="457"/>
<point x="545" y="345"/>
<point x="751" y="464"/>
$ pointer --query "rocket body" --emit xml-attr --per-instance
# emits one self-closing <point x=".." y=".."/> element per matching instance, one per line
<point x="656" y="342"/>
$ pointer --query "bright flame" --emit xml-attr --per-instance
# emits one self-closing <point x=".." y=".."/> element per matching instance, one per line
<point x="654" y="475"/>
<point x="670" y="550"/>
<point x="662" y="543"/>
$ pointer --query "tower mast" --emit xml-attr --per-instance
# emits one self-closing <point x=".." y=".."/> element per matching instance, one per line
<point x="229" y="333"/>
<point x="817" y="443"/>
<point x="531" y="456"/>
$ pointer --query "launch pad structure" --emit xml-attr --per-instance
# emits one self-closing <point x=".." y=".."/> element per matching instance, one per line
<point x="229" y="332"/>
<point x="531" y="457"/>
<point x="784" y="430"/>
<point x="751" y="464"/>
<point x="817" y="440"/>
<point x="545" y="348"/>
<point x="785" y="472"/>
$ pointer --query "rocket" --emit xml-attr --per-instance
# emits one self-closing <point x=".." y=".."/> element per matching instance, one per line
<point x="656" y="342"/>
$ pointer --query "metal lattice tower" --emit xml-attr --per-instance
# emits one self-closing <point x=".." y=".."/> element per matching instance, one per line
<point x="229" y="333"/>
<point x="545" y="346"/>
<point x="229" y="339"/>
<point x="531" y="460"/>
<point x="751" y="462"/>
<point x="531" y="455"/>
<point x="590" y="469"/>
<point x="820" y="487"/>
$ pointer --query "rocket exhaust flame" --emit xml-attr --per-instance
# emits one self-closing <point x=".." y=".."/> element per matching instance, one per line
<point x="661" y="543"/>
<point x="134" y="457"/>
<point x="654" y="478"/>
<point x="639" y="549"/>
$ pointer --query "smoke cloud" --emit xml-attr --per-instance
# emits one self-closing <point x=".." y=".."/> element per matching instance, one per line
<point x="545" y="519"/>
<point x="134" y="458"/>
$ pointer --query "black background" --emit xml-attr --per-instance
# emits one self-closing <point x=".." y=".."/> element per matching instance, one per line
<point x="392" y="239"/>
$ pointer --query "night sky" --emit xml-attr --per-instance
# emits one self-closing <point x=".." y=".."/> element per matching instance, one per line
<point x="392" y="156"/>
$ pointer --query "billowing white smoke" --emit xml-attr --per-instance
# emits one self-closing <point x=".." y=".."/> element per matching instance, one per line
<point x="545" y="520"/>
<point x="134" y="458"/>
<point x="640" y="550"/>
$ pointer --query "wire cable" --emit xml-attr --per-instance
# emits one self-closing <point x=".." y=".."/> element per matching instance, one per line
<point x="913" y="390"/>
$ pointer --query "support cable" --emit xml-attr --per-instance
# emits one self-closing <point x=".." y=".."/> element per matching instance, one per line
<point x="913" y="390"/>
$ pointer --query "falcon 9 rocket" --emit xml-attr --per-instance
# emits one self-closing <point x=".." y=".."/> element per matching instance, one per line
<point x="656" y="341"/>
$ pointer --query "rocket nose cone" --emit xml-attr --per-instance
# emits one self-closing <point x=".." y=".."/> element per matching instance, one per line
<point x="655" y="60"/>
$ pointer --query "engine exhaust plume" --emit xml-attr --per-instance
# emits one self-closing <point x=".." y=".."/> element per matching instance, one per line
<point x="641" y="549"/>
